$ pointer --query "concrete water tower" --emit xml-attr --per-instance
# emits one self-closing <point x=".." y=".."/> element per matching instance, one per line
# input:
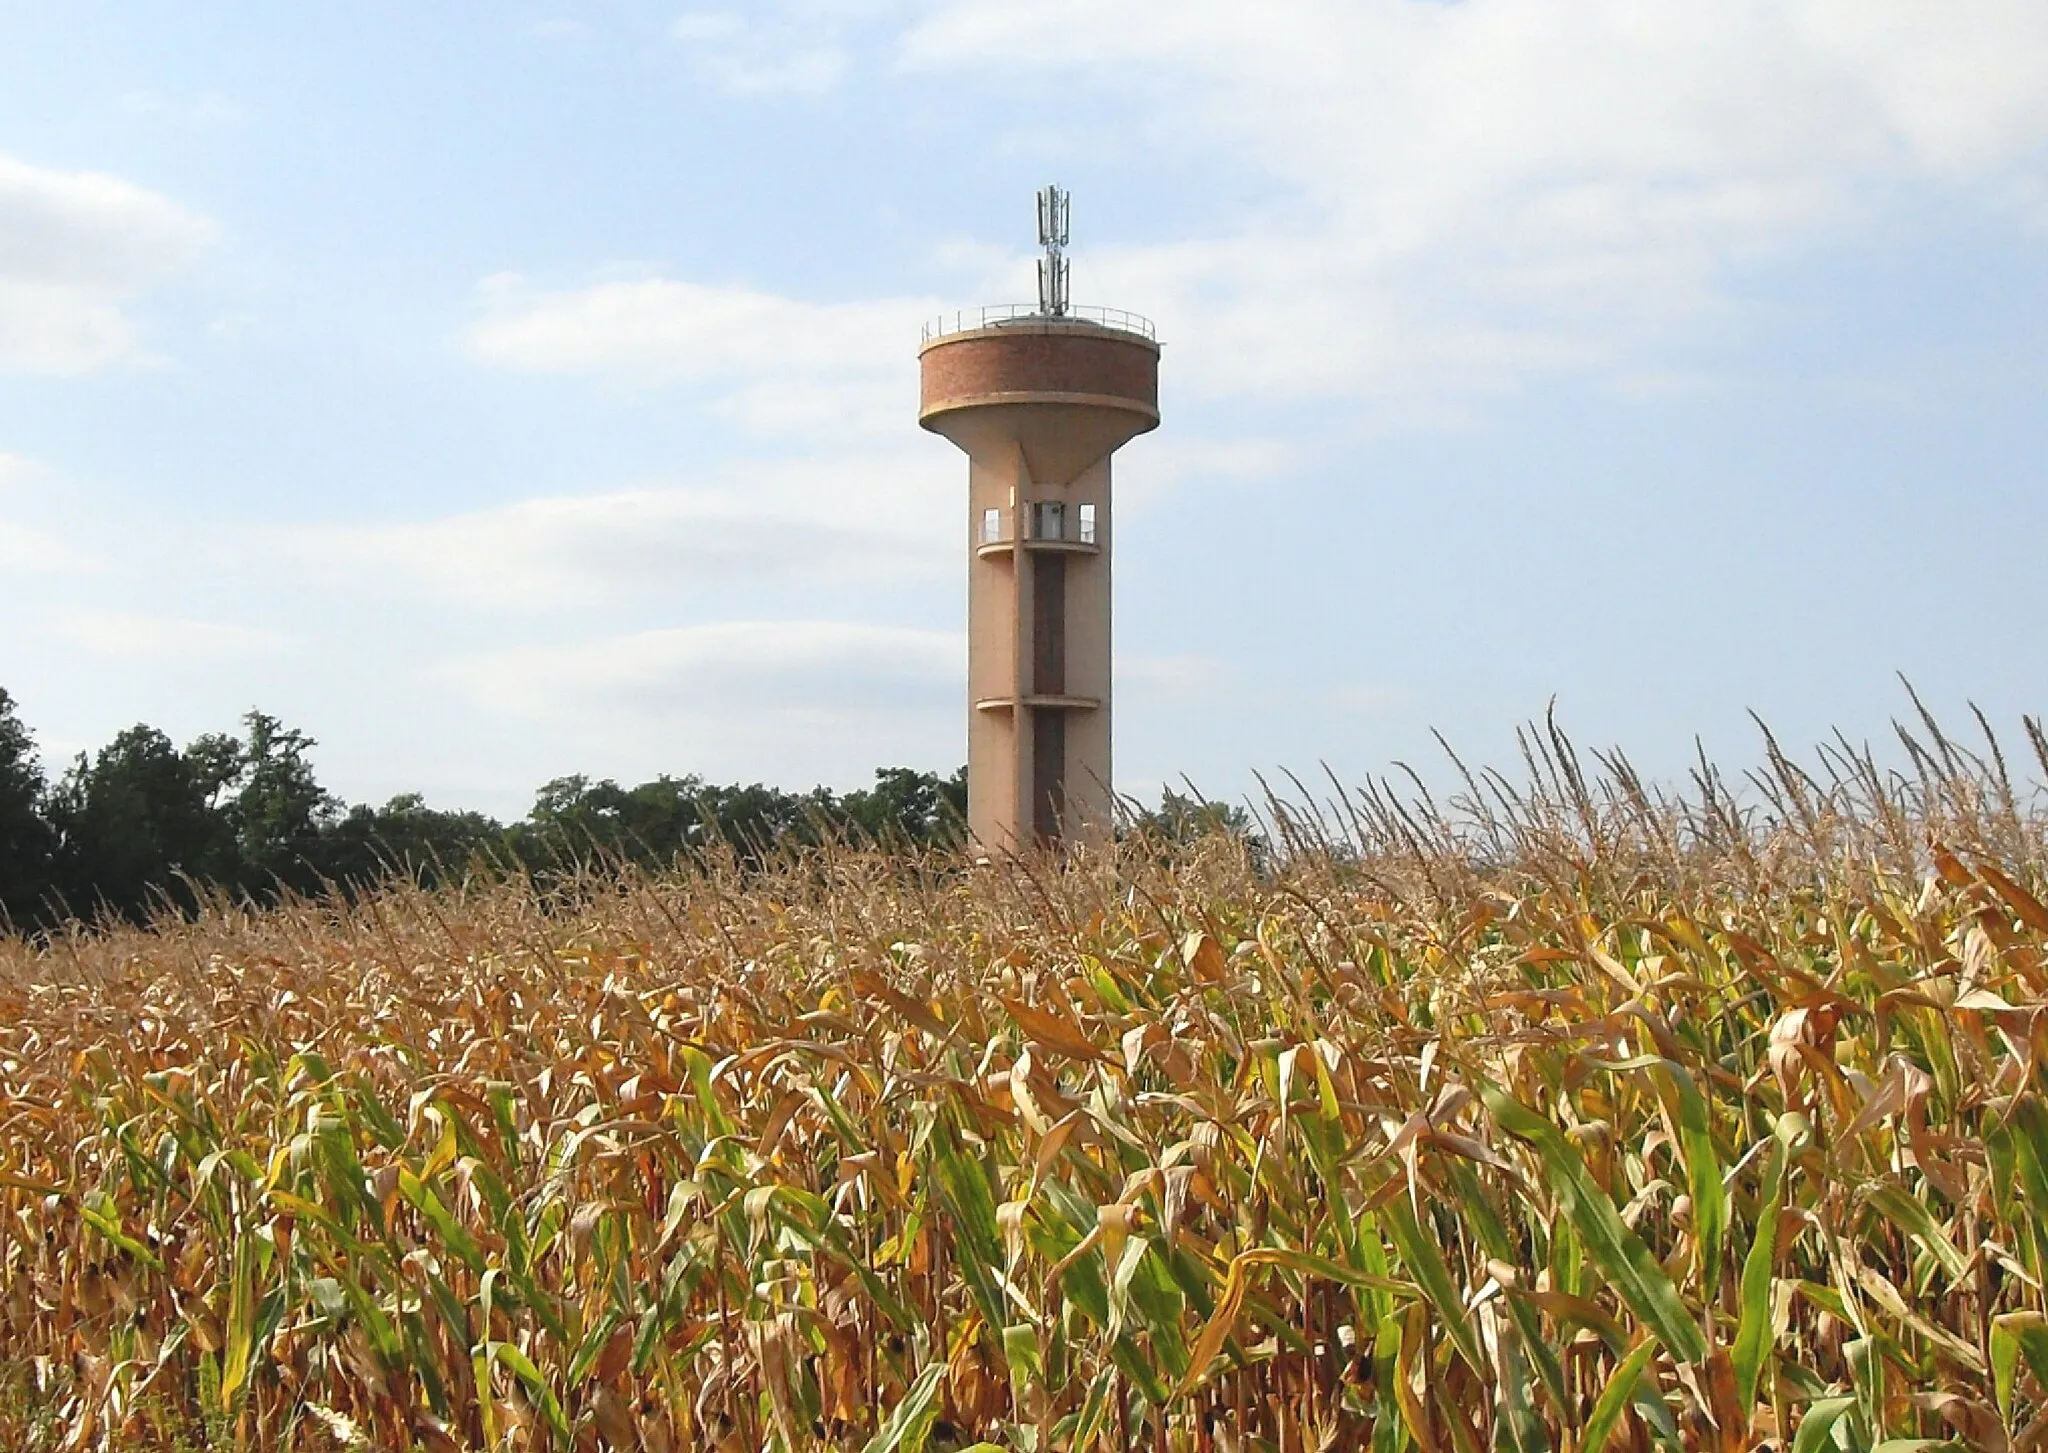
<point x="1039" y="398"/>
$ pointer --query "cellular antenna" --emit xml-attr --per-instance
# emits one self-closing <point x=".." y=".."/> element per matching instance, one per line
<point x="1053" y="206"/>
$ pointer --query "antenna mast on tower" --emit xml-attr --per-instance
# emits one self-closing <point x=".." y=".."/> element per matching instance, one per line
<point x="1053" y="204"/>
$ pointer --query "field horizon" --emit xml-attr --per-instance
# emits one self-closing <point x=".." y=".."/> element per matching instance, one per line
<point x="1562" y="1112"/>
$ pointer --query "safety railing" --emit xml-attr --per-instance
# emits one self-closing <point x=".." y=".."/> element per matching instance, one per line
<point x="963" y="320"/>
<point x="1041" y="526"/>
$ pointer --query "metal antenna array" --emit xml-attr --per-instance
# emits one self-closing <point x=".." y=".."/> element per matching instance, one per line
<point x="1053" y="206"/>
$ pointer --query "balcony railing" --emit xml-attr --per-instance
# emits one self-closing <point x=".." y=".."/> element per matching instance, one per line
<point x="1060" y="528"/>
<point x="995" y="315"/>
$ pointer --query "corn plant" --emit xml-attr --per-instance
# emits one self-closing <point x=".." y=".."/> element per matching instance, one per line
<point x="1569" y="1115"/>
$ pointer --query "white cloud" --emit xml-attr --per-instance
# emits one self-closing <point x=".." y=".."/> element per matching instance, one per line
<point x="822" y="699"/>
<point x="1468" y="194"/>
<point x="874" y="519"/>
<point x="132" y="634"/>
<point x="75" y="248"/>
<point x="791" y="54"/>
<point x="28" y="550"/>
<point x="775" y="362"/>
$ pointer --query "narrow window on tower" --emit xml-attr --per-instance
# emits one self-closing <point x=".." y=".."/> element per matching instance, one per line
<point x="1048" y="773"/>
<point x="1048" y="520"/>
<point x="1048" y="623"/>
<point x="1085" y="518"/>
<point x="991" y="526"/>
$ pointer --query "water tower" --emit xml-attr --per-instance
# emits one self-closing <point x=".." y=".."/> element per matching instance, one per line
<point x="1039" y="398"/>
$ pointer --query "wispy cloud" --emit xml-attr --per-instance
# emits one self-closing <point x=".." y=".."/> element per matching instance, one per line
<point x="830" y="698"/>
<point x="165" y="639"/>
<point x="33" y="551"/>
<point x="1465" y="196"/>
<point x="774" y="362"/>
<point x="877" y="519"/>
<point x="750" y="56"/>
<point x="75" y="248"/>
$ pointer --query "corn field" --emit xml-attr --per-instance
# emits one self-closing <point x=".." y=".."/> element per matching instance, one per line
<point x="1570" y="1113"/>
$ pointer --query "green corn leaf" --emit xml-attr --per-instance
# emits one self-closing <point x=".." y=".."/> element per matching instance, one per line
<point x="1615" y="1398"/>
<point x="1141" y="1369"/>
<point x="964" y="1186"/>
<point x="1753" y="1332"/>
<point x="1518" y="1429"/>
<point x="383" y="1336"/>
<point x="1911" y="1216"/>
<point x="2026" y="1143"/>
<point x="99" y="1211"/>
<point x="698" y="1064"/>
<point x="536" y="1386"/>
<point x="1620" y="1253"/>
<point x="240" y="1332"/>
<point x="452" y="1232"/>
<point x="1427" y="1265"/>
<point x="1093" y="1419"/>
<point x="593" y="1346"/>
<point x="1817" y="1427"/>
<point x="2013" y="1336"/>
<point x="1120" y="1283"/>
<point x="1020" y="1352"/>
<point x="1702" y="1176"/>
<point x="1389" y="1434"/>
<point x="910" y="1422"/>
<point x="1480" y="1215"/>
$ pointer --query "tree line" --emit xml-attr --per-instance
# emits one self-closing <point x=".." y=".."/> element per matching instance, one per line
<point x="144" y="825"/>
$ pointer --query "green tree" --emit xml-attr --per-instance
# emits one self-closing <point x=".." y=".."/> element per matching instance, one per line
<point x="140" y="819"/>
<point x="908" y="806"/>
<point x="1187" y="819"/>
<point x="279" y="809"/>
<point x="27" y="845"/>
<point x="368" y="844"/>
<point x="575" y="819"/>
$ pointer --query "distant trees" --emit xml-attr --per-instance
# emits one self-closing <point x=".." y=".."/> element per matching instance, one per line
<point x="25" y="836"/>
<point x="367" y="843"/>
<point x="671" y="816"/>
<point x="143" y="824"/>
<point x="142" y="819"/>
<point x="909" y="806"/>
<point x="1184" y="819"/>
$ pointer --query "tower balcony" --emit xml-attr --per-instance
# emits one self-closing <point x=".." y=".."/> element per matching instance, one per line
<point x="994" y="549"/>
<point x="1043" y="701"/>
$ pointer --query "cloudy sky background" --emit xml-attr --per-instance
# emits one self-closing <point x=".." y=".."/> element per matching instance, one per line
<point x="498" y="391"/>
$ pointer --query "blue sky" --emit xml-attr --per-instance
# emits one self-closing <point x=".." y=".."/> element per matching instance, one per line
<point x="501" y="391"/>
